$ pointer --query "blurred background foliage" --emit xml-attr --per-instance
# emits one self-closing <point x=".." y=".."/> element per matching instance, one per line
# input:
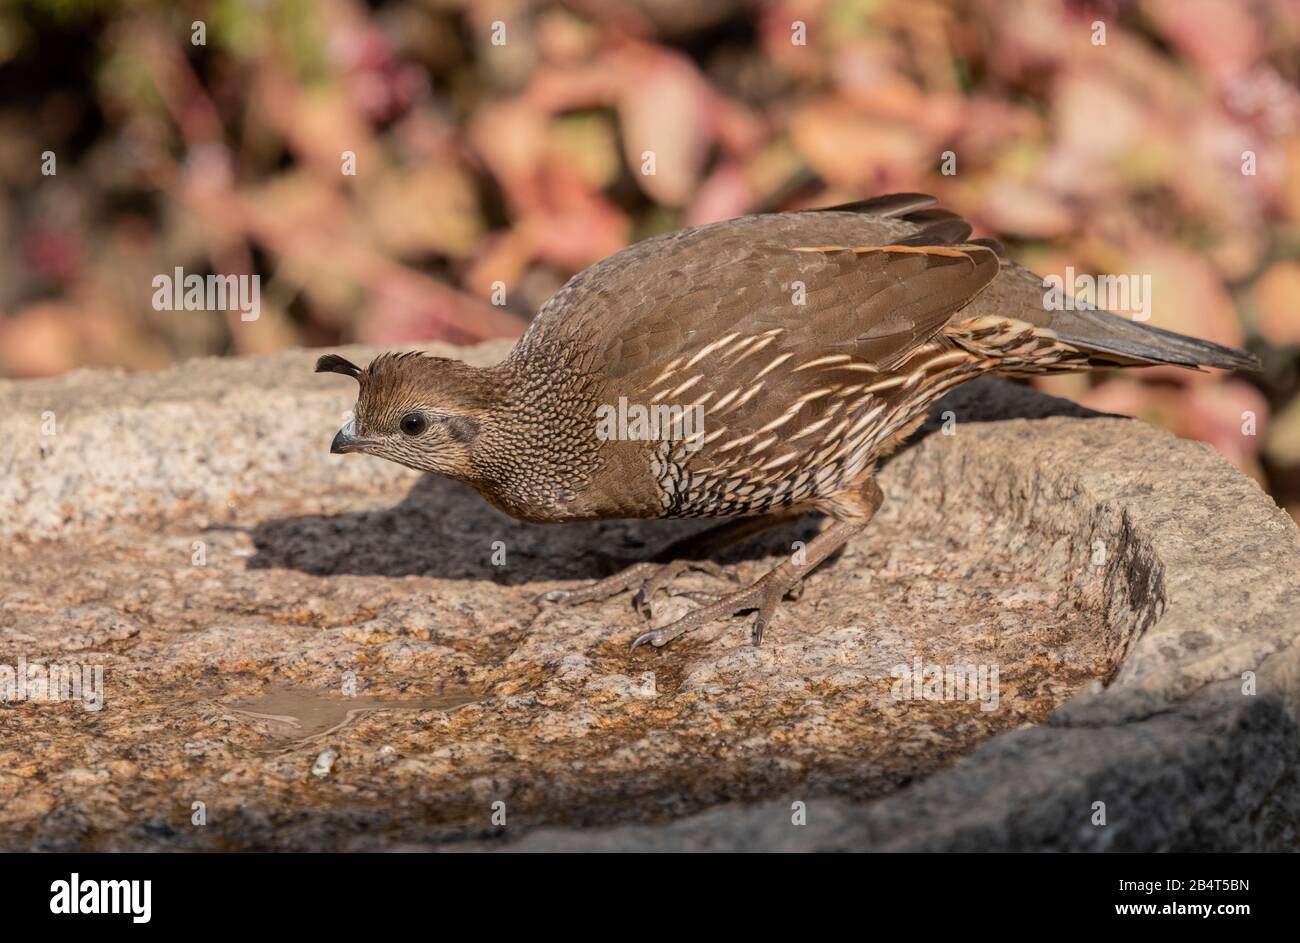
<point x="519" y="164"/>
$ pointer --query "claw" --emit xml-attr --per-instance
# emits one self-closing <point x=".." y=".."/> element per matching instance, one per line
<point x="652" y="637"/>
<point x="641" y="603"/>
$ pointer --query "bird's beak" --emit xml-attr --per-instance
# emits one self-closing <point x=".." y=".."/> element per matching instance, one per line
<point x="347" y="440"/>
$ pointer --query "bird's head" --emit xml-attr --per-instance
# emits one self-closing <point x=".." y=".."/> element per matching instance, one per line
<point x="420" y="411"/>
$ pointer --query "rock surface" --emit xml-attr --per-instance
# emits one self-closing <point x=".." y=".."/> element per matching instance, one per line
<point x="308" y="651"/>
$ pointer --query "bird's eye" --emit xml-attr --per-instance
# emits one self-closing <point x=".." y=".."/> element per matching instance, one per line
<point x="414" y="423"/>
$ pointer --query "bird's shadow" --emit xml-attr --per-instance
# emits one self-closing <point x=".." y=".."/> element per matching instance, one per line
<point x="444" y="529"/>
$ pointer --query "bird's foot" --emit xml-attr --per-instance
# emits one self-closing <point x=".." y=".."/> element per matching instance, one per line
<point x="793" y="594"/>
<point x="766" y="593"/>
<point x="648" y="576"/>
<point x="763" y="595"/>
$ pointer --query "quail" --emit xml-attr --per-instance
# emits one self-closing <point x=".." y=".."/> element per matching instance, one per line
<point x="806" y="345"/>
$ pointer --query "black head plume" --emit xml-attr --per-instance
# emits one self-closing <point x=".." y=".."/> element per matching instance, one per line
<point x="333" y="363"/>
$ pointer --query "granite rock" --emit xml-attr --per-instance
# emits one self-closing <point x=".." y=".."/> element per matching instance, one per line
<point x="301" y="650"/>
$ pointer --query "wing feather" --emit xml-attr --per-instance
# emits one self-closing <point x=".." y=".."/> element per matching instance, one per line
<point x="855" y="281"/>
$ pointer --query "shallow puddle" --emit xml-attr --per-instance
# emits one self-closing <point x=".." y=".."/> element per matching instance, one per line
<point x="302" y="714"/>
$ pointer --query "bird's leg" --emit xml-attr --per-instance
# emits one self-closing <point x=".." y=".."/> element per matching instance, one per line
<point x="763" y="594"/>
<point x="853" y="514"/>
<point x="651" y="575"/>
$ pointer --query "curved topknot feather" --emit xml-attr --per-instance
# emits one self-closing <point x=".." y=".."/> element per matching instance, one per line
<point x="333" y="363"/>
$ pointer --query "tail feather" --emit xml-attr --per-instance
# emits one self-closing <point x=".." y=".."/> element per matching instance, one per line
<point x="1104" y="338"/>
<point x="1132" y="343"/>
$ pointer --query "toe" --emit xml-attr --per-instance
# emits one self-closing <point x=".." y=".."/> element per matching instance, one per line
<point x="711" y="568"/>
<point x="704" y="599"/>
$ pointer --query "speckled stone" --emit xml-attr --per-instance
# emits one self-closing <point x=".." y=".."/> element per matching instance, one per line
<point x="308" y="651"/>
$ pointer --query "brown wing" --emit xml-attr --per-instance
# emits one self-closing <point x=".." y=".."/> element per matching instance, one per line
<point x="812" y="388"/>
<point x="869" y="304"/>
<point x="763" y="321"/>
<point x="825" y="280"/>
